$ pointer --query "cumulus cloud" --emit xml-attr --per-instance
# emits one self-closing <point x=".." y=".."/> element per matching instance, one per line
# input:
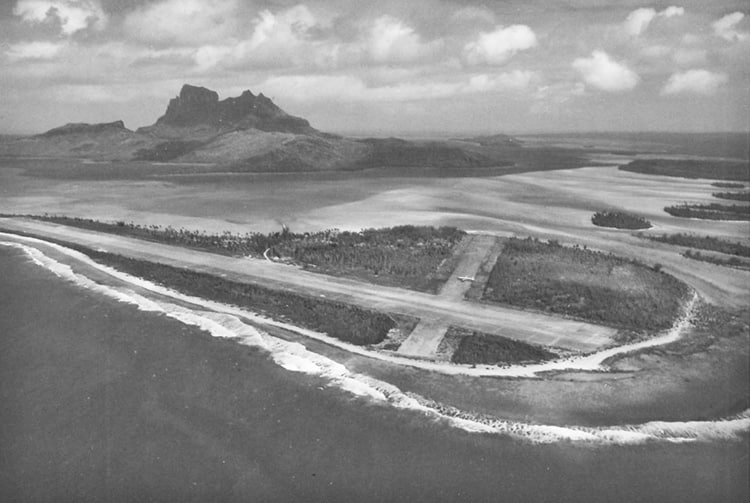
<point x="638" y="20"/>
<point x="277" y="39"/>
<point x="33" y="50"/>
<point x="392" y="41"/>
<point x="695" y="82"/>
<point x="498" y="46"/>
<point x="187" y="22"/>
<point x="72" y="15"/>
<point x="601" y="72"/>
<point x="726" y="27"/>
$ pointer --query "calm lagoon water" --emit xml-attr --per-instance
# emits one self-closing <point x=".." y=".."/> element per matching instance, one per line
<point x="102" y="402"/>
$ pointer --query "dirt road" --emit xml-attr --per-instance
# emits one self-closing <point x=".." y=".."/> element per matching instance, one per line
<point x="528" y="327"/>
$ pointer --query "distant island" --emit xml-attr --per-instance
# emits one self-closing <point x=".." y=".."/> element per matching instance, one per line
<point x="250" y="133"/>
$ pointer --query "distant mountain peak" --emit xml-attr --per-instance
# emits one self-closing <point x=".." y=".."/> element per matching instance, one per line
<point x="85" y="128"/>
<point x="200" y="108"/>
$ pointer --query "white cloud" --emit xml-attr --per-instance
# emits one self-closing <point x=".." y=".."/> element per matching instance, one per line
<point x="672" y="11"/>
<point x="187" y="22"/>
<point x="282" y="29"/>
<point x="726" y="27"/>
<point x="277" y="39"/>
<point x="601" y="72"/>
<point x="695" y="82"/>
<point x="73" y="15"/>
<point x="638" y="20"/>
<point x="33" y="50"/>
<point x="392" y="41"/>
<point x="497" y="46"/>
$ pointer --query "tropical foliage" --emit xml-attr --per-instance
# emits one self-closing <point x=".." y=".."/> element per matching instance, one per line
<point x="734" y="196"/>
<point x="690" y="168"/>
<point x="619" y="220"/>
<point x="584" y="284"/>
<point x="488" y="349"/>
<point x="408" y="255"/>
<point x="711" y="211"/>
<point x="701" y="242"/>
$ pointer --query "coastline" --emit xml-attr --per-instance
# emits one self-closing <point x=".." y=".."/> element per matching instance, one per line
<point x="591" y="362"/>
<point x="227" y="322"/>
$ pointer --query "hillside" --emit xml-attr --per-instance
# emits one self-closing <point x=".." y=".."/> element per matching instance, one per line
<point x="107" y="141"/>
<point x="249" y="133"/>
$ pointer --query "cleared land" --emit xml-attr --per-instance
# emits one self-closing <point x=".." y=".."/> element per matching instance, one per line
<point x="530" y="327"/>
<point x="585" y="284"/>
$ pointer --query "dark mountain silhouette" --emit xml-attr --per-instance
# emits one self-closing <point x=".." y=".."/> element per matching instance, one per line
<point x="250" y="133"/>
<point x="197" y="111"/>
<point x="83" y="128"/>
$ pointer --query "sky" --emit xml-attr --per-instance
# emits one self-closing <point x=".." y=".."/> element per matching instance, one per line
<point x="385" y="67"/>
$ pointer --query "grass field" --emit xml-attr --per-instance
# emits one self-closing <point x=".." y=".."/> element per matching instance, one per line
<point x="585" y="284"/>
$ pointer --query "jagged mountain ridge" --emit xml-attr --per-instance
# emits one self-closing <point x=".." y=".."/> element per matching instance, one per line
<point x="83" y="128"/>
<point x="248" y="133"/>
<point x="199" y="110"/>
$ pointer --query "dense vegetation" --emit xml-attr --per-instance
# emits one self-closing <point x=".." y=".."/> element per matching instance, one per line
<point x="718" y="260"/>
<point x="342" y="321"/>
<point x="584" y="284"/>
<point x="688" y="168"/>
<point x="701" y="242"/>
<point x="728" y="185"/>
<point x="619" y="220"/>
<point x="406" y="256"/>
<point x="734" y="196"/>
<point x="488" y="349"/>
<point x="711" y="211"/>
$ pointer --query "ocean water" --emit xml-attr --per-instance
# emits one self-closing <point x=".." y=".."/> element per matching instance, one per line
<point x="102" y="401"/>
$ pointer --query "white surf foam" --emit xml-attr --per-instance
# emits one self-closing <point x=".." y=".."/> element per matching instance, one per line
<point x="591" y="362"/>
<point x="295" y="357"/>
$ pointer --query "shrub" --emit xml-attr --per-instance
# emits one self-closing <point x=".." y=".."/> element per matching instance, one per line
<point x="584" y="284"/>
<point x="619" y="220"/>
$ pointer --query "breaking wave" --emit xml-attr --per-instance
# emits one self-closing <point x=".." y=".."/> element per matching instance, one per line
<point x="229" y="322"/>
